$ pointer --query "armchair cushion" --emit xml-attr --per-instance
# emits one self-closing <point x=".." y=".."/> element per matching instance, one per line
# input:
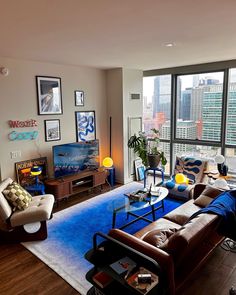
<point x="17" y="196"/>
<point x="193" y="169"/>
<point x="39" y="209"/>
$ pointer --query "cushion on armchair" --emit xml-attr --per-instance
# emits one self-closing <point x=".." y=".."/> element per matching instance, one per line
<point x="17" y="196"/>
<point x="193" y="169"/>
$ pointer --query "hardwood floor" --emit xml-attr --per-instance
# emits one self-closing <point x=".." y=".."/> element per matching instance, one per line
<point x="23" y="273"/>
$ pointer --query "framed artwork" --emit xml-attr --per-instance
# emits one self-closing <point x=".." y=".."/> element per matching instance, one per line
<point x="23" y="169"/>
<point x="79" y="98"/>
<point x="85" y="126"/>
<point x="52" y="130"/>
<point x="139" y="169"/>
<point x="49" y="95"/>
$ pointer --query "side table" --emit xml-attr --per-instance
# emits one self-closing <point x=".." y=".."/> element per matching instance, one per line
<point x="111" y="176"/>
<point x="154" y="175"/>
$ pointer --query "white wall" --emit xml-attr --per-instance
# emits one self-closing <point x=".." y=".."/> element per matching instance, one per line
<point x="132" y="83"/>
<point x="120" y="84"/>
<point x="115" y="111"/>
<point x="18" y="99"/>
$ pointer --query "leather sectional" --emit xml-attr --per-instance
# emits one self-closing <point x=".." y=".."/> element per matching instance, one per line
<point x="178" y="243"/>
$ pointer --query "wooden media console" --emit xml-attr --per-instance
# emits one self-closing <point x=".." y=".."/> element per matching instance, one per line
<point x="73" y="184"/>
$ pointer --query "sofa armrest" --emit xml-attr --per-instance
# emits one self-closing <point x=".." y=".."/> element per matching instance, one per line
<point x="163" y="258"/>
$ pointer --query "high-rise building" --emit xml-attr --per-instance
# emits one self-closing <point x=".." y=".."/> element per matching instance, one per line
<point x="184" y="112"/>
<point x="162" y="95"/>
<point x="184" y="129"/>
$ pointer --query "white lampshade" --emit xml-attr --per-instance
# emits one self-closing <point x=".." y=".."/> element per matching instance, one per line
<point x="219" y="159"/>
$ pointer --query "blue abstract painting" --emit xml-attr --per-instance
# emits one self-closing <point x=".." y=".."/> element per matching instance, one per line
<point x="85" y="125"/>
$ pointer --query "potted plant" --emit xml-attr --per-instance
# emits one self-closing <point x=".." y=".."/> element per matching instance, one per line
<point x="146" y="147"/>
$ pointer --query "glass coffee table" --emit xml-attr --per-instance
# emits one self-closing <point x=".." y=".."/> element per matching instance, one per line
<point x="131" y="207"/>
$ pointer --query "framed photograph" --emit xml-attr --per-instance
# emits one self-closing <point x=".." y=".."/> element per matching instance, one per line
<point x="52" y="130"/>
<point x="79" y="98"/>
<point x="139" y="169"/>
<point x="85" y="126"/>
<point x="49" y="95"/>
<point x="23" y="170"/>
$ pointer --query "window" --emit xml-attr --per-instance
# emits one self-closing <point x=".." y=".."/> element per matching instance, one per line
<point x="157" y="110"/>
<point x="199" y="106"/>
<point x="157" y="104"/>
<point x="197" y="114"/>
<point x="231" y="109"/>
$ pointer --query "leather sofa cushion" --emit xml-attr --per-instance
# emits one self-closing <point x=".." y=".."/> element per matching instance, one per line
<point x="159" y="238"/>
<point x="189" y="237"/>
<point x="159" y="224"/>
<point x="181" y="214"/>
<point x="207" y="196"/>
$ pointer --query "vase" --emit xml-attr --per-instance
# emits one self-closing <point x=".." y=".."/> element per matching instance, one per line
<point x="153" y="160"/>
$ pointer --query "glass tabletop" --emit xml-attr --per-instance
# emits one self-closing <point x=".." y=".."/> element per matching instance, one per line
<point x="126" y="204"/>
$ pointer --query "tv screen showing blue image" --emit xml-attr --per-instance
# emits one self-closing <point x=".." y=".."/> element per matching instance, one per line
<point x="72" y="158"/>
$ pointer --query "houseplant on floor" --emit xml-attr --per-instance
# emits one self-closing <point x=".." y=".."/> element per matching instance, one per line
<point x="147" y="148"/>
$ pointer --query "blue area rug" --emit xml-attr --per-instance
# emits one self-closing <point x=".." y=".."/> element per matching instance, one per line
<point x="71" y="230"/>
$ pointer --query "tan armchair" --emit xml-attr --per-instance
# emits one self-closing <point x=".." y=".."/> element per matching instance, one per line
<point x="24" y="225"/>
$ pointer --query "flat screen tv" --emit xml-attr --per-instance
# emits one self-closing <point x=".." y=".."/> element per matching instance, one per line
<point x="72" y="158"/>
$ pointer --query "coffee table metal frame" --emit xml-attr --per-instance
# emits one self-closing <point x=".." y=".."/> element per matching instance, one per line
<point x="150" y="202"/>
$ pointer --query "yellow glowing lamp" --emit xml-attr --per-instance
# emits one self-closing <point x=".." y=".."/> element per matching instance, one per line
<point x="181" y="178"/>
<point x="107" y="162"/>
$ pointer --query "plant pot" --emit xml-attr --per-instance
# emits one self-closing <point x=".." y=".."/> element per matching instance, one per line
<point x="153" y="160"/>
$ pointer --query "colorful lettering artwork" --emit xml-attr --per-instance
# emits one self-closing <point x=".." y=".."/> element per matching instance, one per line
<point x="23" y="135"/>
<point x="29" y="135"/>
<point x="22" y="124"/>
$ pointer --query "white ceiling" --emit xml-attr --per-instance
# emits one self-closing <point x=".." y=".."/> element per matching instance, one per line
<point x="119" y="33"/>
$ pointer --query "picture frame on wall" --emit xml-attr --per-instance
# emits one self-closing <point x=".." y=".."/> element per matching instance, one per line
<point x="23" y="170"/>
<point x="79" y="98"/>
<point x="49" y="95"/>
<point x="85" y="126"/>
<point x="52" y="130"/>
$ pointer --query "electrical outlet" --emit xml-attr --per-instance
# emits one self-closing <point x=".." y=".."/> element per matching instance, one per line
<point x="15" y="154"/>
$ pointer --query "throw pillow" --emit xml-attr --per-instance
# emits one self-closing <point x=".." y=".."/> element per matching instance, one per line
<point x="17" y="196"/>
<point x="207" y="196"/>
<point x="158" y="237"/>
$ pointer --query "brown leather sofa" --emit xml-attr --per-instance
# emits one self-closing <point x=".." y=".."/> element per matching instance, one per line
<point x="179" y="244"/>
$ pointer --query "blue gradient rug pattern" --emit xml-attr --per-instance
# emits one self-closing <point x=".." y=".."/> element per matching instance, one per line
<point x="70" y="233"/>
